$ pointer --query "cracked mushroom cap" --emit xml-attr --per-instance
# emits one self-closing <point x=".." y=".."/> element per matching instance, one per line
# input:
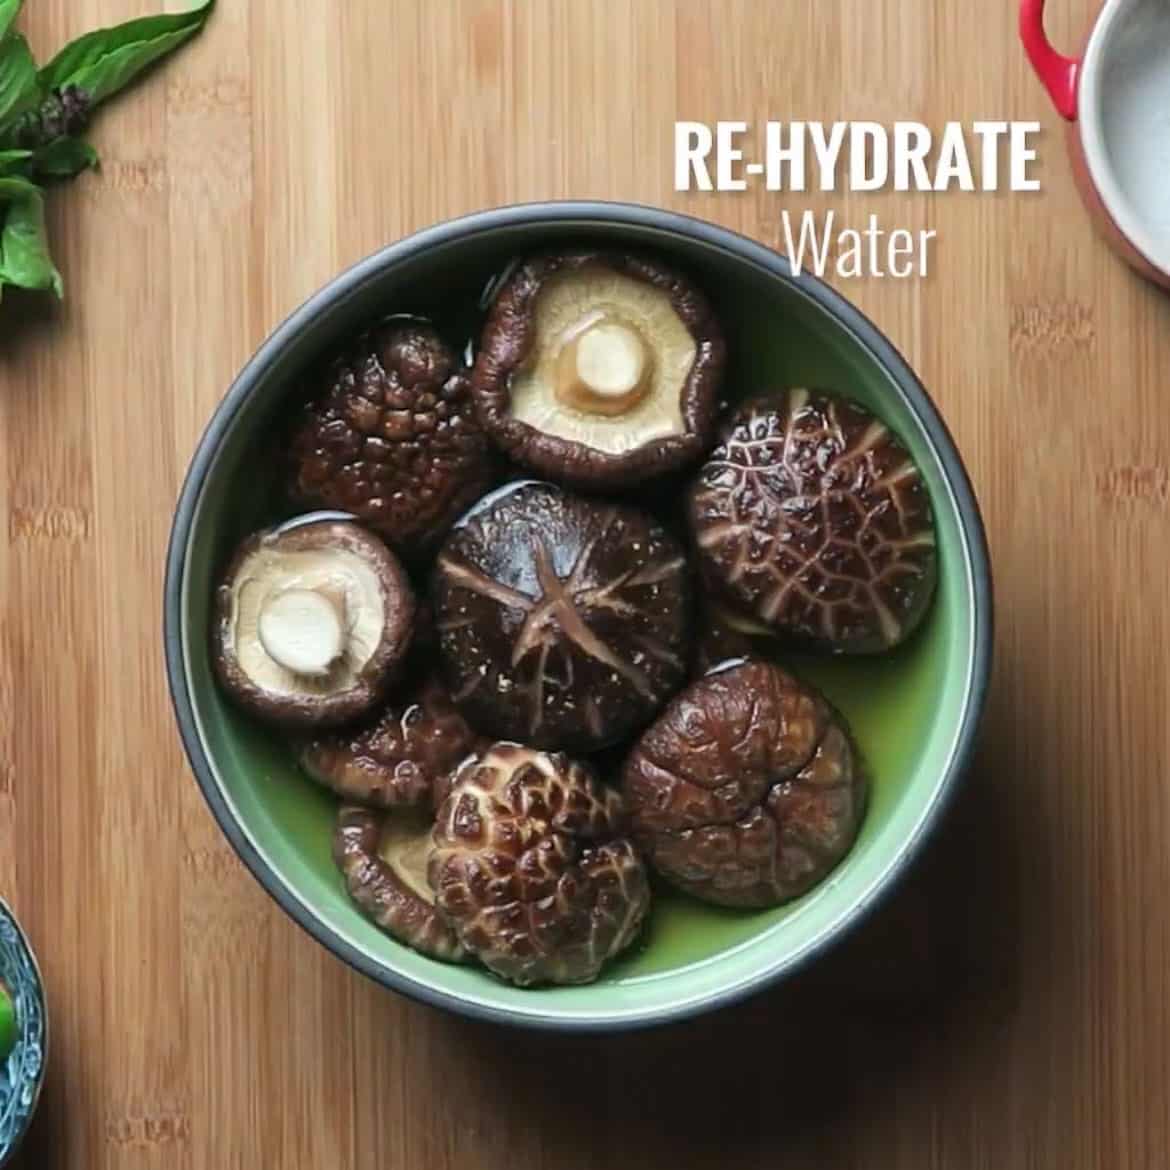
<point x="811" y="517"/>
<point x="312" y="621"/>
<point x="747" y="791"/>
<point x="402" y="760"/>
<point x="563" y="622"/>
<point x="599" y="369"/>
<point x="383" y="858"/>
<point x="392" y="438"/>
<point x="532" y="869"/>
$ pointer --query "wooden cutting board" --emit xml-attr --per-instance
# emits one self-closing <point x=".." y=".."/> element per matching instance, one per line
<point x="1009" y="1010"/>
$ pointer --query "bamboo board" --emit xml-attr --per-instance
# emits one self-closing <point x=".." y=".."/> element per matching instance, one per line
<point x="1009" y="1010"/>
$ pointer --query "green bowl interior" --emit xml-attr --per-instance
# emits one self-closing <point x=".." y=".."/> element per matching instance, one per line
<point x="906" y="709"/>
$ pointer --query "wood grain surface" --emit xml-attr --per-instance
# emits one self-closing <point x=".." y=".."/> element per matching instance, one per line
<point x="1011" y="1008"/>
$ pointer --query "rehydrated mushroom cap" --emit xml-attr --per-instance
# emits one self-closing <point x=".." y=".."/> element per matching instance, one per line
<point x="383" y="858"/>
<point x="312" y="620"/>
<point x="393" y="438"/>
<point x="402" y="760"/>
<point x="563" y="622"/>
<point x="599" y="369"/>
<point x="812" y="517"/>
<point x="747" y="791"/>
<point x="531" y="867"/>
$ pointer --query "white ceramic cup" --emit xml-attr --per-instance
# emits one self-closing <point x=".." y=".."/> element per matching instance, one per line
<point x="1116" y="97"/>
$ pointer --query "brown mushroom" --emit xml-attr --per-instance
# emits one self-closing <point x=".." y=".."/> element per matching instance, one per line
<point x="599" y="369"/>
<point x="747" y="791"/>
<point x="531" y="867"/>
<point x="383" y="858"/>
<point x="563" y="623"/>
<point x="392" y="437"/>
<point x="402" y="760"/>
<point x="312" y="621"/>
<point x="811" y="517"/>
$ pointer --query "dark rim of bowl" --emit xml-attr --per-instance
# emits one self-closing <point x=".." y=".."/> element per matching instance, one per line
<point x="583" y="214"/>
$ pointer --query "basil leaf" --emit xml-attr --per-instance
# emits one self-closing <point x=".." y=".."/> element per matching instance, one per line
<point x="9" y="11"/>
<point x="18" y="79"/>
<point x="24" y="247"/>
<point x="106" y="61"/>
<point x="63" y="158"/>
<point x="13" y="161"/>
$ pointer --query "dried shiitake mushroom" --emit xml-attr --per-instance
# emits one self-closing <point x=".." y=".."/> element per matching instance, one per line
<point x="401" y="760"/>
<point x="312" y="621"/>
<point x="747" y="790"/>
<point x="563" y="622"/>
<point x="392" y="437"/>
<point x="383" y="858"/>
<point x="811" y="516"/>
<point x="599" y="369"/>
<point x="531" y="867"/>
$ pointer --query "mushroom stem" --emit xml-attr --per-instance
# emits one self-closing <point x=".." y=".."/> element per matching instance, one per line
<point x="303" y="630"/>
<point x="604" y="368"/>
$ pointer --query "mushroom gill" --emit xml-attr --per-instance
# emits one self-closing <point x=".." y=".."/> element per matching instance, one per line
<point x="599" y="369"/>
<point x="610" y="360"/>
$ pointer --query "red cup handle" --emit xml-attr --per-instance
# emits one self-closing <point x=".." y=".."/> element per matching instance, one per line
<point x="1058" y="72"/>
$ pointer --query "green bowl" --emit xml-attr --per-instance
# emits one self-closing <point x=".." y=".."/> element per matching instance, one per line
<point x="915" y="712"/>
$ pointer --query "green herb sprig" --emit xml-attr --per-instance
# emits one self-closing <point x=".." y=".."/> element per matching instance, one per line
<point x="44" y="113"/>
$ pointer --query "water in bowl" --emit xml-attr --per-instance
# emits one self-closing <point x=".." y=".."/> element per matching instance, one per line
<point x="889" y="701"/>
